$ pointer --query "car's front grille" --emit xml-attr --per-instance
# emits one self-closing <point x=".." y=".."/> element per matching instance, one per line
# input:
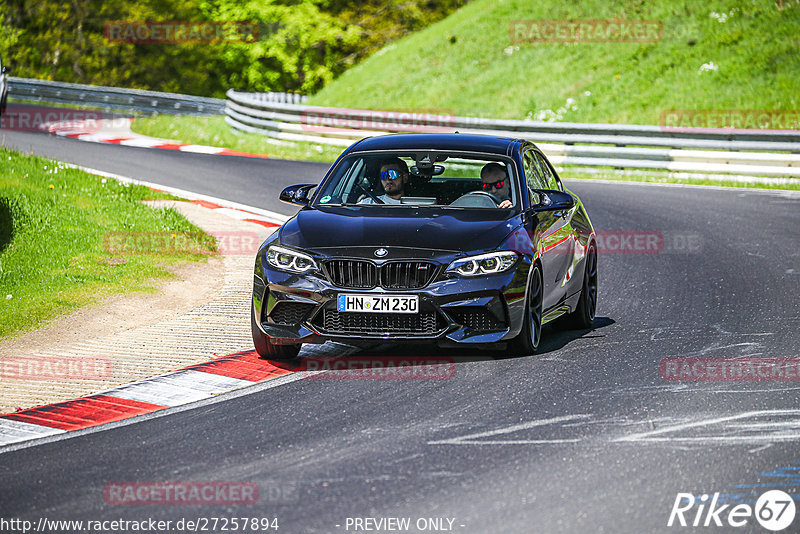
<point x="406" y="274"/>
<point x="363" y="274"/>
<point x="291" y="313"/>
<point x="476" y="318"/>
<point x="423" y="323"/>
<point x="352" y="274"/>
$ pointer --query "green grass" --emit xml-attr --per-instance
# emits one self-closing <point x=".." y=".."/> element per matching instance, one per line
<point x="55" y="224"/>
<point x="214" y="131"/>
<point x="468" y="65"/>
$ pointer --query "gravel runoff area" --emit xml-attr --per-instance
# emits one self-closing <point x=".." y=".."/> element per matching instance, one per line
<point x="201" y="315"/>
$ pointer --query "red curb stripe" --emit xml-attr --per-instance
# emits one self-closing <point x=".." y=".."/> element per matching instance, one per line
<point x="206" y="204"/>
<point x="170" y="146"/>
<point x="229" y="152"/>
<point x="262" y="223"/>
<point x="244" y="366"/>
<point x="84" y="412"/>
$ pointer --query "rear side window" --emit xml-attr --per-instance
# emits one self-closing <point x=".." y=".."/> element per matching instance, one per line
<point x="533" y="174"/>
<point x="549" y="175"/>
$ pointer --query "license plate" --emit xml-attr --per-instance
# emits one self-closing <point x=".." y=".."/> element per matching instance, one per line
<point x="378" y="303"/>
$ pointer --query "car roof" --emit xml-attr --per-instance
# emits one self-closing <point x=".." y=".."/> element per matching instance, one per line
<point x="438" y="141"/>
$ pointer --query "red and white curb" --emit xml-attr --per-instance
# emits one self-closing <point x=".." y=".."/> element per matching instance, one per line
<point x="189" y="385"/>
<point x="235" y="210"/>
<point x="242" y="215"/>
<point x="118" y="132"/>
<point x="185" y="386"/>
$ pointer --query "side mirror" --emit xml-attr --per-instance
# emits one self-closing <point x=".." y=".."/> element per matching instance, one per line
<point x="552" y="200"/>
<point x="297" y="194"/>
<point x="6" y="70"/>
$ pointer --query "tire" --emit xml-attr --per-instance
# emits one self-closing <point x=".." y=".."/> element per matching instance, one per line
<point x="270" y="351"/>
<point x="583" y="316"/>
<point x="528" y="339"/>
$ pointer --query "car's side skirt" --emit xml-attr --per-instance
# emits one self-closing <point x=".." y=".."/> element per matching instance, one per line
<point x="554" y="313"/>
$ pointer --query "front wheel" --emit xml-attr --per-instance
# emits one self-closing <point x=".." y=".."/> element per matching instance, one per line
<point x="528" y="339"/>
<point x="268" y="350"/>
<point x="583" y="316"/>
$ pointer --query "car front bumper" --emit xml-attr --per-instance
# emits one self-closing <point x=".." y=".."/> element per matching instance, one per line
<point x="453" y="310"/>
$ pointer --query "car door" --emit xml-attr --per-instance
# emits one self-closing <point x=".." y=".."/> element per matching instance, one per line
<point x="563" y="239"/>
<point x="549" y="225"/>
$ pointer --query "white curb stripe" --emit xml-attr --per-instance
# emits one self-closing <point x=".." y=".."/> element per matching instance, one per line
<point x="178" y="388"/>
<point x="205" y="382"/>
<point x="200" y="149"/>
<point x="105" y="130"/>
<point x="14" y="431"/>
<point x="158" y="392"/>
<point x="143" y="143"/>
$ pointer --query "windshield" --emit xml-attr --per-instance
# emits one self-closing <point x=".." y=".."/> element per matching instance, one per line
<point x="422" y="179"/>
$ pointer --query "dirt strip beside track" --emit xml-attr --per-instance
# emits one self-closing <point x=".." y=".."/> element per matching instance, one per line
<point x="200" y="316"/>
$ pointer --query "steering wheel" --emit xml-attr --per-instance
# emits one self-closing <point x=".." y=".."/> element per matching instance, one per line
<point x="479" y="194"/>
<point x="369" y="193"/>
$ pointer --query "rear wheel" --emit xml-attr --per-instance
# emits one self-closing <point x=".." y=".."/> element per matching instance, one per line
<point x="531" y="333"/>
<point x="583" y="316"/>
<point x="268" y="350"/>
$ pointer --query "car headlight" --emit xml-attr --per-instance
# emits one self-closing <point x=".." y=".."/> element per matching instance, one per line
<point x="491" y="263"/>
<point x="290" y="260"/>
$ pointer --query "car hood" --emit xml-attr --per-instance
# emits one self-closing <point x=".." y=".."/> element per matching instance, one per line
<point x="355" y="226"/>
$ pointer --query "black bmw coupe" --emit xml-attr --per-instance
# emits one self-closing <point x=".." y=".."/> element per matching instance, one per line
<point x="452" y="239"/>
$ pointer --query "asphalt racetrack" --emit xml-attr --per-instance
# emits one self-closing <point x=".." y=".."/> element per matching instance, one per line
<point x="585" y="436"/>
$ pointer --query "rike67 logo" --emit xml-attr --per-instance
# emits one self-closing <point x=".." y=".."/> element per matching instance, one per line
<point x="774" y="510"/>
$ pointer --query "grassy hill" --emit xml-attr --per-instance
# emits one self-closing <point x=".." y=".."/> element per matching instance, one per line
<point x="467" y="63"/>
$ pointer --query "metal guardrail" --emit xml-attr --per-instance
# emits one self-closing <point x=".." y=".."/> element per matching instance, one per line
<point x="112" y="98"/>
<point x="768" y="153"/>
<point x="286" y="116"/>
<point x="285" y="98"/>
